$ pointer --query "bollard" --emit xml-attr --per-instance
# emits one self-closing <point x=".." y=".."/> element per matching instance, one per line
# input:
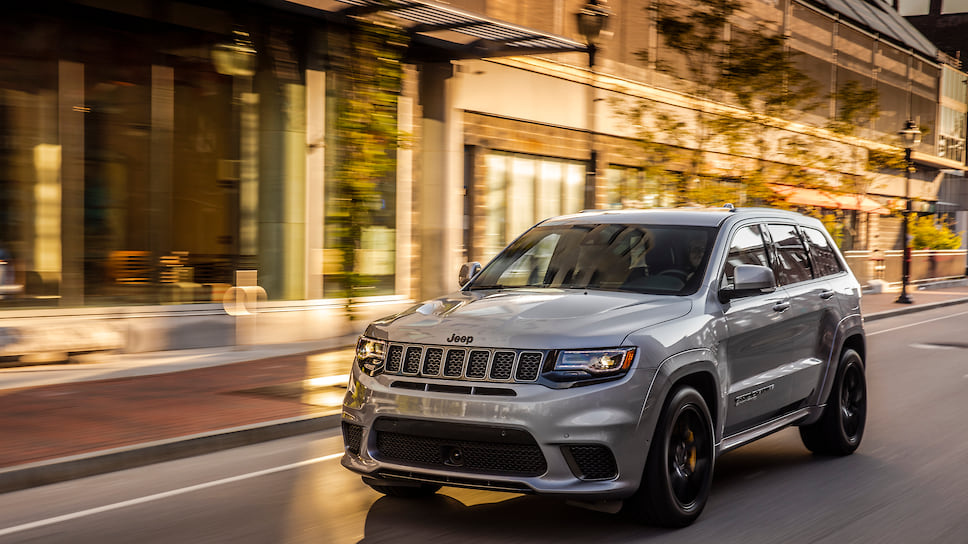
<point x="242" y="302"/>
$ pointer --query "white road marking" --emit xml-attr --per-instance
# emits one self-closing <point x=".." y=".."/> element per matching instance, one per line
<point x="915" y="324"/>
<point x="164" y="495"/>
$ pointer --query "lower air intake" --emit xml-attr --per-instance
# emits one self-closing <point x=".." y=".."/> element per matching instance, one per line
<point x="591" y="462"/>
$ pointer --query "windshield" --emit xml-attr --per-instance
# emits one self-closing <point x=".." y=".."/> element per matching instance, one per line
<point x="640" y="258"/>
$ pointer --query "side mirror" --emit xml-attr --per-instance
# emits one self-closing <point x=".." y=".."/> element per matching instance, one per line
<point x="749" y="279"/>
<point x="467" y="272"/>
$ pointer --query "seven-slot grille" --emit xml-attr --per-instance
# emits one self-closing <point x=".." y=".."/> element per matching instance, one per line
<point x="498" y="365"/>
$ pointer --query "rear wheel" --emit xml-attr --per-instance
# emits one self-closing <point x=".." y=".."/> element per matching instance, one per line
<point x="403" y="491"/>
<point x="679" y="470"/>
<point x="841" y="426"/>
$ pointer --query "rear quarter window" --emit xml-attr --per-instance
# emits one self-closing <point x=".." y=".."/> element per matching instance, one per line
<point x="792" y="264"/>
<point x="822" y="254"/>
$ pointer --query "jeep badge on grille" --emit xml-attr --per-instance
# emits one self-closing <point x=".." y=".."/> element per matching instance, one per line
<point x="456" y="339"/>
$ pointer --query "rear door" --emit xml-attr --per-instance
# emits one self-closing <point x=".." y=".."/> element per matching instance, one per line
<point x="812" y="317"/>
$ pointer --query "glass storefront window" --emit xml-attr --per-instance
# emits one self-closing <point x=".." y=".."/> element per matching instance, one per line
<point x="627" y="187"/>
<point x="30" y="192"/>
<point x="133" y="171"/>
<point x="522" y="190"/>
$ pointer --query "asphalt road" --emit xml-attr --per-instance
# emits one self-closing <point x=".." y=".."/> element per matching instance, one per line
<point x="908" y="482"/>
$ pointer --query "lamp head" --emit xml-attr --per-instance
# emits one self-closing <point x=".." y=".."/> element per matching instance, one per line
<point x="910" y="134"/>
<point x="593" y="19"/>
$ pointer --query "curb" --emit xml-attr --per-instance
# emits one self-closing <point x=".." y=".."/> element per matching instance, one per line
<point x="913" y="308"/>
<point x="21" y="477"/>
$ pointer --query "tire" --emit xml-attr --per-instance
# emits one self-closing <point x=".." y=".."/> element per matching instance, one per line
<point x="404" y="491"/>
<point x="679" y="469"/>
<point x="841" y="427"/>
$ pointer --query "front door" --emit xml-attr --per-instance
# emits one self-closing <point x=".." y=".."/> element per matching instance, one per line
<point x="759" y="339"/>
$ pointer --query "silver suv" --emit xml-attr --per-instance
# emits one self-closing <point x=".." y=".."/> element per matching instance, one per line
<point x="610" y="357"/>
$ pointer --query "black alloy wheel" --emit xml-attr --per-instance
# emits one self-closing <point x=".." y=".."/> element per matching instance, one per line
<point x="688" y="455"/>
<point x="679" y="470"/>
<point x="841" y="427"/>
<point x="853" y="402"/>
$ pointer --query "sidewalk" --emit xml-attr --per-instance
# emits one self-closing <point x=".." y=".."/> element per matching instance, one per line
<point x="74" y="429"/>
<point x="881" y="305"/>
<point x="89" y="420"/>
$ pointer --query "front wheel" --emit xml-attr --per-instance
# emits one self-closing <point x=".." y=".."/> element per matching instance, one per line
<point x="841" y="426"/>
<point x="679" y="470"/>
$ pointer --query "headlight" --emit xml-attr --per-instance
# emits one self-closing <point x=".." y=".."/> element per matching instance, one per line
<point x="592" y="364"/>
<point x="370" y="355"/>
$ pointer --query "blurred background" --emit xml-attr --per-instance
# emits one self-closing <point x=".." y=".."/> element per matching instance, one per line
<point x="353" y="153"/>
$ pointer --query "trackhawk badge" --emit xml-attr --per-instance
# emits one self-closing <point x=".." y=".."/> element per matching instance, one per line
<point x="752" y="395"/>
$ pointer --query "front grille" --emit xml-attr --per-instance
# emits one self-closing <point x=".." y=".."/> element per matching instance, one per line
<point x="459" y="448"/>
<point x="454" y="364"/>
<point x="502" y="365"/>
<point x="591" y="461"/>
<point x="394" y="359"/>
<point x="353" y="437"/>
<point x="412" y="363"/>
<point x="431" y="364"/>
<point x="528" y="366"/>
<point x="481" y="364"/>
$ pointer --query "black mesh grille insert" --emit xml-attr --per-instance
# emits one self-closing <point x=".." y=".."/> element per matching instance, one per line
<point x="477" y="366"/>
<point x="591" y="462"/>
<point x="352" y="437"/>
<point x="459" y="363"/>
<point x="474" y="456"/>
<point x="412" y="364"/>
<point x="431" y="364"/>
<point x="395" y="359"/>
<point x="528" y="366"/>
<point x="455" y="363"/>
<point x="503" y="363"/>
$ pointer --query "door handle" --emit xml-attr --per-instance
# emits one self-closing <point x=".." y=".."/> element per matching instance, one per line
<point x="781" y="306"/>
<point x="827" y="294"/>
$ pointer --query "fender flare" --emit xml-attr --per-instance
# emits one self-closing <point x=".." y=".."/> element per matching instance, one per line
<point x="698" y="363"/>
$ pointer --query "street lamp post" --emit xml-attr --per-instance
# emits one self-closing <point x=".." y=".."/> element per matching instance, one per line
<point x="911" y="137"/>
<point x="592" y="20"/>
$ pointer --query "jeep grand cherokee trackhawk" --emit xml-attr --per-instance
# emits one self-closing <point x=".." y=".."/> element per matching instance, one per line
<point x="610" y="357"/>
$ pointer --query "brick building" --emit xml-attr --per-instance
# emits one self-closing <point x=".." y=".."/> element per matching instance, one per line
<point x="150" y="148"/>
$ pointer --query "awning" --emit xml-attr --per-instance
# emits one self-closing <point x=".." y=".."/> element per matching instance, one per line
<point x="860" y="203"/>
<point x="824" y="199"/>
<point x="447" y="33"/>
<point x="806" y="197"/>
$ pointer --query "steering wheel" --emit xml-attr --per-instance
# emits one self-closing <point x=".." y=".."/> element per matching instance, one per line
<point x="680" y="275"/>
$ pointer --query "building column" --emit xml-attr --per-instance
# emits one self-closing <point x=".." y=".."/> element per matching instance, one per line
<point x="404" y="231"/>
<point x="315" y="202"/>
<point x="68" y="259"/>
<point x="160" y="177"/>
<point x="439" y="206"/>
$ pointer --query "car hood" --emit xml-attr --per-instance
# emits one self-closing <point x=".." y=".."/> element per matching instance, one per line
<point x="529" y="319"/>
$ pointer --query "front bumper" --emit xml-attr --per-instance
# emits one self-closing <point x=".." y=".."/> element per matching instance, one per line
<point x="586" y="443"/>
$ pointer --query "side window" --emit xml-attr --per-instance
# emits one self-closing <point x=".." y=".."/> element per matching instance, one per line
<point x="747" y="247"/>
<point x="792" y="265"/>
<point x="822" y="255"/>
